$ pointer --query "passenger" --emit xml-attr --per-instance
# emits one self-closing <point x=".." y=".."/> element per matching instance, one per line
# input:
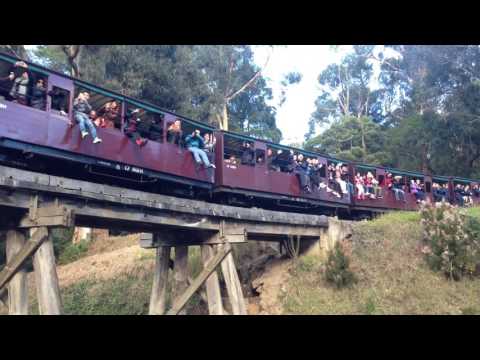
<point x="315" y="178"/>
<point x="39" y="93"/>
<point x="210" y="142"/>
<point x="416" y="190"/>
<point x="20" y="88"/>
<point x="110" y="115"/>
<point x="82" y="109"/>
<point x="291" y="162"/>
<point x="301" y="170"/>
<point x="156" y="128"/>
<point x="359" y="183"/>
<point x="248" y="154"/>
<point x="174" y="132"/>
<point x="369" y="187"/>
<point x="195" y="144"/>
<point x="476" y="190"/>
<point x="397" y="189"/>
<point x="467" y="197"/>
<point x="131" y="130"/>
<point x="232" y="162"/>
<point x="377" y="189"/>
<point x="458" y="195"/>
<point x="6" y="84"/>
<point x="338" y="178"/>
<point x="272" y="160"/>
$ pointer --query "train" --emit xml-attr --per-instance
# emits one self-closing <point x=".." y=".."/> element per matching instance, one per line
<point x="47" y="140"/>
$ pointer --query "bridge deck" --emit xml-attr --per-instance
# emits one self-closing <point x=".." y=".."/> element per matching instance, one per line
<point x="105" y="206"/>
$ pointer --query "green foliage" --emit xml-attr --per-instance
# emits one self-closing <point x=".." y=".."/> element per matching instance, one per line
<point x="337" y="269"/>
<point x="62" y="238"/>
<point x="452" y="240"/>
<point x="73" y="252"/>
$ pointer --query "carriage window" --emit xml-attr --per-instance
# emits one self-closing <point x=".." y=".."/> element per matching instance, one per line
<point x="22" y="85"/>
<point x="106" y="111"/>
<point x="60" y="100"/>
<point x="146" y="124"/>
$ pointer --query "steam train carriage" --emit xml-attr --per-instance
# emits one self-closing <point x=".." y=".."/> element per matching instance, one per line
<point x="44" y="140"/>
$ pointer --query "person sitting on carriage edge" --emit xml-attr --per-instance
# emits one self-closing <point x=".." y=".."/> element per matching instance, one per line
<point x="195" y="144"/>
<point x="301" y="170"/>
<point x="131" y="130"/>
<point x="82" y="109"/>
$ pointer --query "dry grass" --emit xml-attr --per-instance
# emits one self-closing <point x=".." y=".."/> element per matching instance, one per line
<point x="393" y="277"/>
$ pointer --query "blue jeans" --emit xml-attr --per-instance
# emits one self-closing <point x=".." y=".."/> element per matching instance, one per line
<point x="399" y="194"/>
<point x="199" y="156"/>
<point x="84" y="122"/>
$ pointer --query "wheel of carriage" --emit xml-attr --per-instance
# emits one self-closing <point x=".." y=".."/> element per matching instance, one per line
<point x="292" y="246"/>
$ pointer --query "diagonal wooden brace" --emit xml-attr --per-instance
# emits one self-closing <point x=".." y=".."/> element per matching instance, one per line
<point x="19" y="259"/>
<point x="180" y="302"/>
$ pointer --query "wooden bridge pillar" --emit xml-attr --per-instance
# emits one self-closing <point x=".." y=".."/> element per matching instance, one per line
<point x="212" y="284"/>
<point x="180" y="272"/>
<point x="17" y="288"/>
<point x="46" y="279"/>
<point x="158" y="298"/>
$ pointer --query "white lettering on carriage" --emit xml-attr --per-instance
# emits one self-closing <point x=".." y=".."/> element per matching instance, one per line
<point x="3" y="106"/>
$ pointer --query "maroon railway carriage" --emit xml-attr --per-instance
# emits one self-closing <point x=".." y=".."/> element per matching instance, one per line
<point x="29" y="135"/>
<point x="49" y="133"/>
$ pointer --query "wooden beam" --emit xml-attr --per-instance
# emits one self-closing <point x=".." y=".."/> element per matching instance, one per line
<point x="50" y="216"/>
<point x="234" y="287"/>
<point x="46" y="279"/>
<point x="17" y="288"/>
<point x="180" y="272"/>
<point x="19" y="259"/>
<point x="209" y="268"/>
<point x="212" y="284"/>
<point x="158" y="297"/>
<point x="27" y="180"/>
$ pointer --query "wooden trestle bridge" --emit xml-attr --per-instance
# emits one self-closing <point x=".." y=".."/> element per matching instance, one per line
<point x="32" y="203"/>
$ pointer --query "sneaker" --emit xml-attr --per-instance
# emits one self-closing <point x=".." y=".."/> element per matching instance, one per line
<point x="84" y="134"/>
<point x="97" y="140"/>
<point x="213" y="166"/>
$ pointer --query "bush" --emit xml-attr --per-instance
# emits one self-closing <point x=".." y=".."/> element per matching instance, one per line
<point x="337" y="269"/>
<point x="73" y="252"/>
<point x="451" y="238"/>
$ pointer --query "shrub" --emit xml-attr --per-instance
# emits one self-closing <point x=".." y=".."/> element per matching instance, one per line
<point x="452" y="243"/>
<point x="73" y="252"/>
<point x="337" y="270"/>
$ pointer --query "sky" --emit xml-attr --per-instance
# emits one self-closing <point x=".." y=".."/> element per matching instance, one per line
<point x="310" y="61"/>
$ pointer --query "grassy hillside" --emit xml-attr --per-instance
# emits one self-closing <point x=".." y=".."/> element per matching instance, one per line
<point x="393" y="276"/>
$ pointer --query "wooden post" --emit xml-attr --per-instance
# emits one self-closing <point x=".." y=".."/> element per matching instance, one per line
<point x="180" y="272"/>
<point x="46" y="279"/>
<point x="234" y="287"/>
<point x="160" y="280"/>
<point x="208" y="270"/>
<point x="212" y="284"/>
<point x="17" y="288"/>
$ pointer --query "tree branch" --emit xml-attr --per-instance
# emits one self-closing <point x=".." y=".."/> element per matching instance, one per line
<point x="249" y="82"/>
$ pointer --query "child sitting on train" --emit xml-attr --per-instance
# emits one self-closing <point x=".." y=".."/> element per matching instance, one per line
<point x="248" y="154"/>
<point x="195" y="144"/>
<point x="301" y="170"/>
<point x="82" y="109"/>
<point x="359" y="183"/>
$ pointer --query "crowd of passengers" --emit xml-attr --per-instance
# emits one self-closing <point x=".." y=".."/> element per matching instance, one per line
<point x="17" y="87"/>
<point x="24" y="87"/>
